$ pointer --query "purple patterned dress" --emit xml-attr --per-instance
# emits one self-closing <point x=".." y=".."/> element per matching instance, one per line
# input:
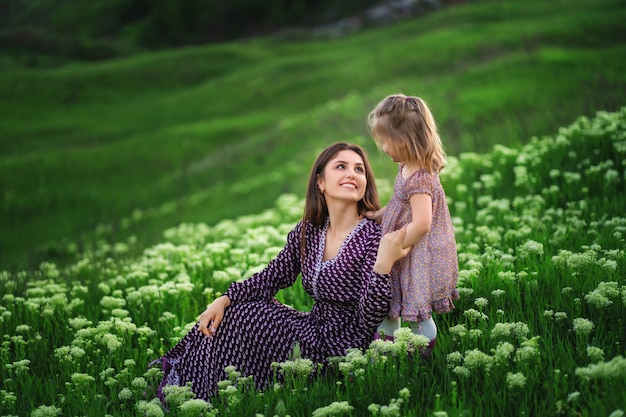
<point x="350" y="302"/>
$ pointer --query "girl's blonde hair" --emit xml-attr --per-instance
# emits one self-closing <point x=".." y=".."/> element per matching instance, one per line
<point x="406" y="122"/>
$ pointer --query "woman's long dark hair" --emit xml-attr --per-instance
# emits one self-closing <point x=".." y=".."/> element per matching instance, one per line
<point x="315" y="208"/>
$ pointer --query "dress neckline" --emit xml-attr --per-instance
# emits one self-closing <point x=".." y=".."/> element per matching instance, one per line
<point x="322" y="244"/>
<point x="320" y="263"/>
<point x="411" y="174"/>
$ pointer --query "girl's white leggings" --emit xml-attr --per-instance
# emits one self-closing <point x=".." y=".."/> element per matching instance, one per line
<point x="388" y="327"/>
<point x="426" y="328"/>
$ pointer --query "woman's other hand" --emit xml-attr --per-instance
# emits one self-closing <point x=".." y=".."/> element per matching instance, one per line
<point x="211" y="318"/>
<point x="390" y="250"/>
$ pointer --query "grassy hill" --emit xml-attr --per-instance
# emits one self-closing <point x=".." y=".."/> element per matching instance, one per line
<point x="121" y="150"/>
<point x="538" y="330"/>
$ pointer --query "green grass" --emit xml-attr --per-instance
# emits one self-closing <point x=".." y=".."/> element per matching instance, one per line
<point x="86" y="145"/>
<point x="538" y="330"/>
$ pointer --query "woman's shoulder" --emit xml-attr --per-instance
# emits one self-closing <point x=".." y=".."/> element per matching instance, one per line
<point x="370" y="228"/>
<point x="297" y="227"/>
<point x="295" y="233"/>
<point x="311" y="230"/>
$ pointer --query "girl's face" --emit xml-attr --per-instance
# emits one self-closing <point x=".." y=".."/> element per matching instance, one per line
<point x="343" y="177"/>
<point x="388" y="147"/>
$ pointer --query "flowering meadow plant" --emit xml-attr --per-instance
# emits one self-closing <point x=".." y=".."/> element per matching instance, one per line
<point x="539" y="329"/>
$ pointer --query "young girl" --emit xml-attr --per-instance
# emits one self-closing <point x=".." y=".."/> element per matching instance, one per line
<point x="424" y="281"/>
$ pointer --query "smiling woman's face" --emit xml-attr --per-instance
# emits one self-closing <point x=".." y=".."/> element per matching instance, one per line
<point x="344" y="177"/>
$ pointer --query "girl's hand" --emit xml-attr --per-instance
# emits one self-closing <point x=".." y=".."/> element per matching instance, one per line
<point x="211" y="318"/>
<point x="390" y="250"/>
<point x="376" y="215"/>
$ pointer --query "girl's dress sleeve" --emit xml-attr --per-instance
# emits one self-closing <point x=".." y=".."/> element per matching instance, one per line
<point x="375" y="296"/>
<point x="280" y="273"/>
<point x="421" y="182"/>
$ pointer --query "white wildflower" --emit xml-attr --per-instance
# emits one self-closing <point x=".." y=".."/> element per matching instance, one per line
<point x="560" y="315"/>
<point x="503" y="352"/>
<point x="507" y="276"/>
<point x="139" y="383"/>
<point x="530" y="248"/>
<point x="19" y="366"/>
<point x="195" y="407"/>
<point x="504" y="330"/>
<point x="498" y="293"/>
<point x="461" y="371"/>
<point x="475" y="315"/>
<point x="595" y="354"/>
<point x="481" y="302"/>
<point x="111" y="303"/>
<point x="454" y="358"/>
<point x="151" y="408"/>
<point x="614" y="369"/>
<point x="46" y="411"/>
<point x="475" y="333"/>
<point x="515" y="380"/>
<point x="125" y="394"/>
<point x="175" y="395"/>
<point x="458" y="330"/>
<point x="526" y="353"/>
<point x="22" y="328"/>
<point x="582" y="327"/>
<point x="573" y="396"/>
<point x="335" y="408"/>
<point x="476" y="359"/>
<point x="79" y="322"/>
<point x="464" y="291"/>
<point x="81" y="379"/>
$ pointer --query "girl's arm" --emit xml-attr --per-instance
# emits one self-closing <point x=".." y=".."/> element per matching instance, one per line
<point x="421" y="218"/>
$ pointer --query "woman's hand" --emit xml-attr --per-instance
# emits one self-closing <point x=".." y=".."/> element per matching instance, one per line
<point x="390" y="250"/>
<point x="211" y="318"/>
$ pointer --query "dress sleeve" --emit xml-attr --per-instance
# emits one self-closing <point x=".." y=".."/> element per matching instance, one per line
<point x="420" y="182"/>
<point x="280" y="273"/>
<point x="375" y="296"/>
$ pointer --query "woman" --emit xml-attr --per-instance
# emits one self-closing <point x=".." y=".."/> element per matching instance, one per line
<point x="343" y="267"/>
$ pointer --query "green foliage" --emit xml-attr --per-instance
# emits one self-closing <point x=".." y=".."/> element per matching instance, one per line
<point x="125" y="148"/>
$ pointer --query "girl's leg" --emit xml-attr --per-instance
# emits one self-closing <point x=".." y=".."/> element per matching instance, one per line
<point x="428" y="329"/>
<point x="387" y="328"/>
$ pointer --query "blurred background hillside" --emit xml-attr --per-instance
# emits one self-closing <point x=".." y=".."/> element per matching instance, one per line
<point x="121" y="118"/>
<point x="53" y="30"/>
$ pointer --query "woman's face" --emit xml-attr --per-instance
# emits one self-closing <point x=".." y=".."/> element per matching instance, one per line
<point x="344" y="177"/>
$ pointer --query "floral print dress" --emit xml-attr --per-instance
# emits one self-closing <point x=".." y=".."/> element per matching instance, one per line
<point x="426" y="279"/>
